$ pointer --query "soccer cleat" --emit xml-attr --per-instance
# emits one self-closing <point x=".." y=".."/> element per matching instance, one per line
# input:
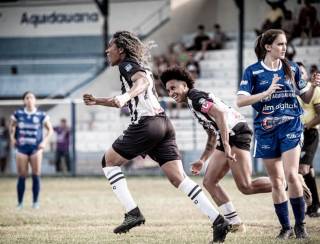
<point x="300" y="231"/>
<point x="35" y="205"/>
<point x="285" y="234"/>
<point x="20" y="206"/>
<point x="220" y="227"/>
<point x="306" y="191"/>
<point x="238" y="227"/>
<point x="131" y="219"/>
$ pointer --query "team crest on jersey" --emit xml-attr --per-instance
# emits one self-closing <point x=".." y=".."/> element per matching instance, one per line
<point x="35" y="120"/>
<point x="128" y="67"/>
<point x="302" y="84"/>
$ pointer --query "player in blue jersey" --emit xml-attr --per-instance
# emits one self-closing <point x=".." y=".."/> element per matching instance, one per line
<point x="271" y="85"/>
<point x="150" y="133"/>
<point x="26" y="134"/>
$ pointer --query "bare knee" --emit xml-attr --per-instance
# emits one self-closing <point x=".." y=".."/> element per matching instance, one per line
<point x="245" y="188"/>
<point x="175" y="181"/>
<point x="209" y="182"/>
<point x="278" y="183"/>
<point x="292" y="178"/>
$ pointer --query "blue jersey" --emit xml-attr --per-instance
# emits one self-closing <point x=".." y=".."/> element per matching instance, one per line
<point x="29" y="127"/>
<point x="282" y="106"/>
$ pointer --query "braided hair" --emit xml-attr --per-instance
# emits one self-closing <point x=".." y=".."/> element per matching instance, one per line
<point x="133" y="46"/>
<point x="267" y="38"/>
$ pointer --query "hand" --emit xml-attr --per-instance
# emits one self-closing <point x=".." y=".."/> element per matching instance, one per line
<point x="42" y="145"/>
<point x="274" y="86"/>
<point x="121" y="100"/>
<point x="315" y="79"/>
<point x="89" y="99"/>
<point x="227" y="153"/>
<point x="196" y="167"/>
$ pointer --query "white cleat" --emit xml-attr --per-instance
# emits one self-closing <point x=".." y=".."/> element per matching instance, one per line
<point x="20" y="206"/>
<point x="36" y="205"/>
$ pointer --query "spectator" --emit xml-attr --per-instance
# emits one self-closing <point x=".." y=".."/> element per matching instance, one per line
<point x="63" y="141"/>
<point x="307" y="21"/>
<point x="199" y="39"/>
<point x="4" y="144"/>
<point x="273" y="19"/>
<point x="288" y="25"/>
<point x="313" y="69"/>
<point x="218" y="39"/>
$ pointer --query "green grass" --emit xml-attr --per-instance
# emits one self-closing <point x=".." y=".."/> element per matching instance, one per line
<point x="84" y="210"/>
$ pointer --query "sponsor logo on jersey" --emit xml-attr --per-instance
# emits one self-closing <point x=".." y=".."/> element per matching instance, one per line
<point x="292" y="136"/>
<point x="243" y="83"/>
<point x="128" y="67"/>
<point x="269" y="109"/>
<point x="265" y="147"/>
<point x="263" y="82"/>
<point x="257" y="71"/>
<point x="36" y="120"/>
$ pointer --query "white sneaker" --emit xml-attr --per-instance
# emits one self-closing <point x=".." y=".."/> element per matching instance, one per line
<point x="20" y="206"/>
<point x="35" y="205"/>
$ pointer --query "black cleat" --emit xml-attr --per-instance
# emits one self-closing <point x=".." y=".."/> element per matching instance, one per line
<point x="285" y="234"/>
<point x="131" y="219"/>
<point x="300" y="231"/>
<point x="220" y="227"/>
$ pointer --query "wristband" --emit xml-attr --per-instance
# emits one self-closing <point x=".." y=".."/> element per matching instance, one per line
<point x="124" y="98"/>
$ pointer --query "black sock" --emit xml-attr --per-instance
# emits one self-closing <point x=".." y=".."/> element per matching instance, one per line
<point x="312" y="185"/>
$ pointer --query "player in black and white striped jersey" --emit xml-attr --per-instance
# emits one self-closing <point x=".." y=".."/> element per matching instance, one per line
<point x="150" y="133"/>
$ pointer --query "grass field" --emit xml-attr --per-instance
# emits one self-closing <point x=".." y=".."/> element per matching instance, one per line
<point x="84" y="210"/>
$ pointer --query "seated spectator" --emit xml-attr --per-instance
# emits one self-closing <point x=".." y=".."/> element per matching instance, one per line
<point x="273" y="18"/>
<point x="307" y="21"/>
<point x="199" y="39"/>
<point x="218" y="40"/>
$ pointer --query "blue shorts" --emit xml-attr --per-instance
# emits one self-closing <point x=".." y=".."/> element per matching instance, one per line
<point x="285" y="137"/>
<point x="27" y="150"/>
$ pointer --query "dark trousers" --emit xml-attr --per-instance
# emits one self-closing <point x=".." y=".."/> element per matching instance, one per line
<point x="62" y="154"/>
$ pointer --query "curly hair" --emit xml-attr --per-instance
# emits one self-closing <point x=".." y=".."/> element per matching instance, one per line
<point x="177" y="73"/>
<point x="132" y="46"/>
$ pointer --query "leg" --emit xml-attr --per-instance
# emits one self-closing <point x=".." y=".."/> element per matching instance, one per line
<point x="176" y="175"/>
<point x="295" y="191"/>
<point x="110" y="165"/>
<point x="35" y="161"/>
<point x="275" y="171"/>
<point x="242" y="170"/>
<point x="68" y="163"/>
<point x="22" y="168"/>
<point x="217" y="168"/>
<point x="58" y="161"/>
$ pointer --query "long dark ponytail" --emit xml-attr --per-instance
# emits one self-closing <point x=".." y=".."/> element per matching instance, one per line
<point x="267" y="38"/>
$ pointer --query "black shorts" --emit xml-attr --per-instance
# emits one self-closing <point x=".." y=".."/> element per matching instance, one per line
<point x="240" y="137"/>
<point x="308" y="151"/>
<point x="153" y="136"/>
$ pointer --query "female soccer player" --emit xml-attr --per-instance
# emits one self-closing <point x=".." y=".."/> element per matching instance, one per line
<point x="26" y="135"/>
<point x="271" y="86"/>
<point x="311" y="121"/>
<point x="150" y="133"/>
<point x="228" y="133"/>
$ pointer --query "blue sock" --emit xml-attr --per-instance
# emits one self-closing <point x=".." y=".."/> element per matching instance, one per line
<point x="282" y="212"/>
<point x="20" y="188"/>
<point x="35" y="187"/>
<point x="298" y="207"/>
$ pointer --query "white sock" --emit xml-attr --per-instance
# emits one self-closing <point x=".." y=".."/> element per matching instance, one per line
<point x="119" y="186"/>
<point x="194" y="191"/>
<point x="230" y="213"/>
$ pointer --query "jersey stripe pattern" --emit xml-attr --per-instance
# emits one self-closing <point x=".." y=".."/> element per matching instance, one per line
<point x="198" y="102"/>
<point x="146" y="103"/>
<point x="29" y="127"/>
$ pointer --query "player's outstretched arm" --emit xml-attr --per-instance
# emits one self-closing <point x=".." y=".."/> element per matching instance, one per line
<point x="315" y="81"/>
<point x="140" y="85"/>
<point x="91" y="100"/>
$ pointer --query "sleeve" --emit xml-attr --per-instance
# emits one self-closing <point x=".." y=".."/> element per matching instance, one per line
<point x="128" y="69"/>
<point x="301" y="85"/>
<point x="246" y="83"/>
<point x="14" y="116"/>
<point x="201" y="101"/>
<point x="316" y="96"/>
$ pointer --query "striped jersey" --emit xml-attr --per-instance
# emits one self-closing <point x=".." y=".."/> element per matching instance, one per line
<point x="146" y="103"/>
<point x="200" y="102"/>
<point x="29" y="126"/>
